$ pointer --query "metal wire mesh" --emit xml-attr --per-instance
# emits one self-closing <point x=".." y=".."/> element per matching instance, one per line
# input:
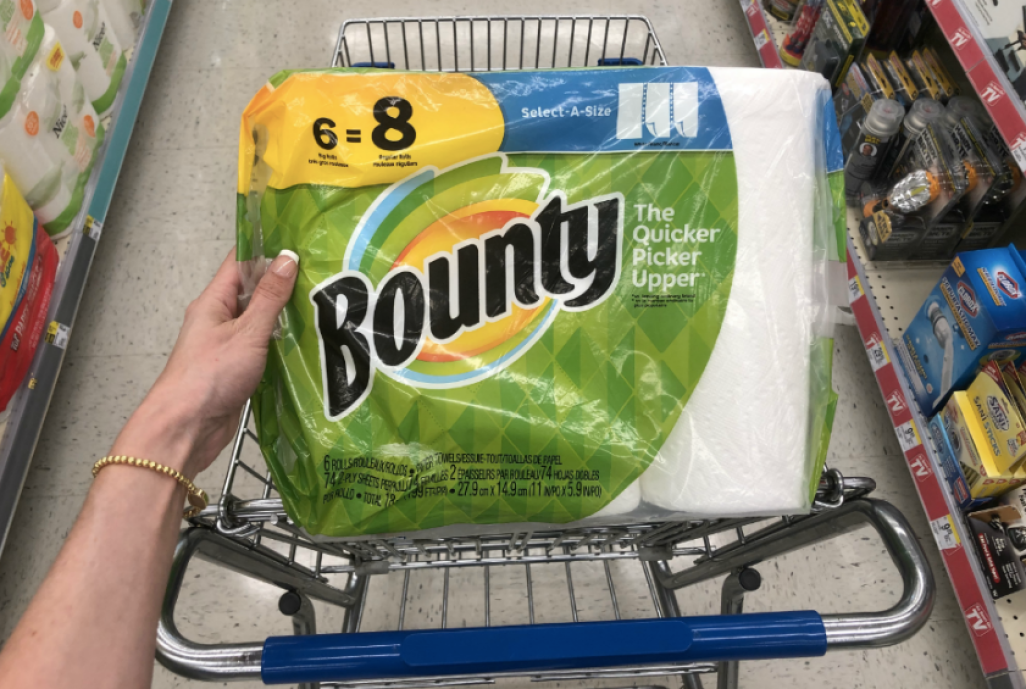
<point x="250" y="510"/>
<point x="487" y="44"/>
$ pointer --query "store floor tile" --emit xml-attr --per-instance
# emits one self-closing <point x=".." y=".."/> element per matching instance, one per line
<point x="172" y="222"/>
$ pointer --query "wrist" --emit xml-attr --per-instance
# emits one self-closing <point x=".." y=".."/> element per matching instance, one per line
<point x="163" y="429"/>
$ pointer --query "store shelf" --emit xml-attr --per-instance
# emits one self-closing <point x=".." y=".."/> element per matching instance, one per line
<point x="766" y="33"/>
<point x="987" y="79"/>
<point x="884" y="298"/>
<point x="29" y="406"/>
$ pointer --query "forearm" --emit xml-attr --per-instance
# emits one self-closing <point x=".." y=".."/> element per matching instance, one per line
<point x="93" y="621"/>
<point x="95" y="616"/>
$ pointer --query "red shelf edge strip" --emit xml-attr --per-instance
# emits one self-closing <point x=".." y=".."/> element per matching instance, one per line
<point x="761" y="35"/>
<point x="1000" y="104"/>
<point x="971" y="599"/>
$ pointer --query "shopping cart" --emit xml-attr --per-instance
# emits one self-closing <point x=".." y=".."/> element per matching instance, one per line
<point x="254" y="536"/>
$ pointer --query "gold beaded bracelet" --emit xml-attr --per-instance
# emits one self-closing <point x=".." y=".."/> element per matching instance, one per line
<point x="197" y="498"/>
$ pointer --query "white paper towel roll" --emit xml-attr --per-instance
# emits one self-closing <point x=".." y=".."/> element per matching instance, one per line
<point x="627" y="501"/>
<point x="738" y="448"/>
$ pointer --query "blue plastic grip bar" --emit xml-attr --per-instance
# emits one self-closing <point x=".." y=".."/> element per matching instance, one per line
<point x="620" y="62"/>
<point x="429" y="653"/>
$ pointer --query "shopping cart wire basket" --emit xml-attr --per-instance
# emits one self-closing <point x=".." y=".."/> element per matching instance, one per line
<point x="255" y="537"/>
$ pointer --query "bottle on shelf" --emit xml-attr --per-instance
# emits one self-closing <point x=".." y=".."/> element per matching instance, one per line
<point x="881" y="123"/>
<point x="923" y="112"/>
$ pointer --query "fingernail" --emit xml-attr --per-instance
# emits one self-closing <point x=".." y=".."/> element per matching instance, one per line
<point x="286" y="264"/>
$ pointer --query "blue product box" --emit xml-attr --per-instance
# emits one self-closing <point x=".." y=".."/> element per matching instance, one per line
<point x="949" y="467"/>
<point x="976" y="313"/>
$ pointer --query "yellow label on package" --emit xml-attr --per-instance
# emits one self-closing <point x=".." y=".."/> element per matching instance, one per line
<point x="1004" y="434"/>
<point x="982" y="476"/>
<point x="903" y="81"/>
<point x="16" y="245"/>
<point x="879" y="77"/>
<point x="922" y="75"/>
<point x="940" y="74"/>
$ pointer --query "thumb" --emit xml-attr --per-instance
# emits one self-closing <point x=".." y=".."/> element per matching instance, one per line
<point x="271" y="295"/>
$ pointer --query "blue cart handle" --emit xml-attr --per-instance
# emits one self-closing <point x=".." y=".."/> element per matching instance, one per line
<point x="487" y="650"/>
<point x="522" y="650"/>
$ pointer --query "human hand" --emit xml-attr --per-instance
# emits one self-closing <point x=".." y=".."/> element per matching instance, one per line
<point x="192" y="411"/>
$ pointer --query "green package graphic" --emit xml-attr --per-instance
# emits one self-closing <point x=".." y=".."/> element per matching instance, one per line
<point x="500" y="316"/>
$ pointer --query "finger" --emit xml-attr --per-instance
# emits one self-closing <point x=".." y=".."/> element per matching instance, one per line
<point x="270" y="296"/>
<point x="223" y="290"/>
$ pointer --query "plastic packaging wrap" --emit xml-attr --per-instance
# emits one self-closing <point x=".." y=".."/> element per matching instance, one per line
<point x="549" y="297"/>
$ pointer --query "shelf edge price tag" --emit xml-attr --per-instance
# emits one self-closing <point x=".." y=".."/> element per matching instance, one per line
<point x="878" y="357"/>
<point x="1019" y="153"/>
<point x="92" y="228"/>
<point x="854" y="289"/>
<point x="908" y="436"/>
<point x="761" y="39"/>
<point x="57" y="334"/>
<point x="745" y="4"/>
<point x="944" y="532"/>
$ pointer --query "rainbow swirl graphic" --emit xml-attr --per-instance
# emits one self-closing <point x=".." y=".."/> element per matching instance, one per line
<point x="435" y="211"/>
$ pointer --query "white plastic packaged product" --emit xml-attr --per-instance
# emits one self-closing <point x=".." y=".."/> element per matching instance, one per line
<point x="585" y="296"/>
<point x="16" y="28"/>
<point x="85" y="31"/>
<point x="34" y="158"/>
<point x="79" y="133"/>
<point x="739" y="428"/>
<point x="122" y="22"/>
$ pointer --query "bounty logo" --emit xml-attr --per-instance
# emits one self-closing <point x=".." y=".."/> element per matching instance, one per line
<point x="967" y="297"/>
<point x="657" y="108"/>
<point x="451" y="276"/>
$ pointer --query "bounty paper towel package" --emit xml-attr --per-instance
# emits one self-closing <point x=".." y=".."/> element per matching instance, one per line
<point x="545" y="296"/>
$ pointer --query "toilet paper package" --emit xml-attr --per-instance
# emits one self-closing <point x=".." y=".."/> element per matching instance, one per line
<point x="544" y="297"/>
<point x="21" y="34"/>
<point x="91" y="44"/>
<point x="70" y="128"/>
<point x="124" y="16"/>
<point x="49" y="136"/>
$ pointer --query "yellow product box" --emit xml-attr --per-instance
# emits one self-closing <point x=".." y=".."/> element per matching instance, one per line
<point x="1014" y="383"/>
<point x="905" y="90"/>
<point x="982" y="476"/>
<point x="940" y="74"/>
<point x="1004" y="433"/>
<point x="922" y="76"/>
<point x="876" y="76"/>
